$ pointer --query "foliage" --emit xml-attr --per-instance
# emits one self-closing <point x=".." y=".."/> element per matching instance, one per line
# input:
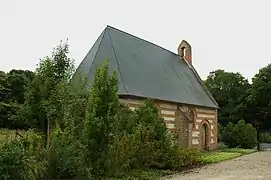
<point x="7" y="135"/>
<point x="239" y="135"/>
<point x="230" y="91"/>
<point x="92" y="135"/>
<point x="12" y="88"/>
<point x="265" y="137"/>
<point x="100" y="116"/>
<point x="143" y="174"/>
<point x="5" y="107"/>
<point x="179" y="158"/>
<point x="65" y="158"/>
<point x="22" y="158"/>
<point x="18" y="80"/>
<point x="4" y="87"/>
<point x="259" y="99"/>
<point x="220" y="130"/>
<point x="48" y="92"/>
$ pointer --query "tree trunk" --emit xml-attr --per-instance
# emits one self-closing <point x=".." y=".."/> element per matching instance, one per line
<point x="48" y="134"/>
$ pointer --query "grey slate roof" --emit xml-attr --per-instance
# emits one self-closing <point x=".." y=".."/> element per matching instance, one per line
<point x="146" y="70"/>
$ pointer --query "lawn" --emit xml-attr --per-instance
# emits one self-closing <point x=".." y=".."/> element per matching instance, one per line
<point x="224" y="154"/>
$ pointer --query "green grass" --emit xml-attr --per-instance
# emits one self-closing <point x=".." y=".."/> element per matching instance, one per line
<point x="7" y="135"/>
<point x="140" y="174"/>
<point x="143" y="175"/>
<point x="224" y="154"/>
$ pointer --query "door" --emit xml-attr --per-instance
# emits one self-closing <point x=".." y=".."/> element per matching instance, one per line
<point x="204" y="137"/>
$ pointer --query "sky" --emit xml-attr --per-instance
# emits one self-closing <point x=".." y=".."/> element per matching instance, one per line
<point x="231" y="35"/>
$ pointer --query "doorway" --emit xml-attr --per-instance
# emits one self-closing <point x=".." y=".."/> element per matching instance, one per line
<point x="204" y="138"/>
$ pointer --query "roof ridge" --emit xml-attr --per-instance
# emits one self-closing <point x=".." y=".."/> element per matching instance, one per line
<point x="102" y="37"/>
<point x="119" y="67"/>
<point x="111" y="27"/>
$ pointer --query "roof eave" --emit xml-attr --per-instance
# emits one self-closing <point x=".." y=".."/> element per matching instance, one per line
<point x="166" y="100"/>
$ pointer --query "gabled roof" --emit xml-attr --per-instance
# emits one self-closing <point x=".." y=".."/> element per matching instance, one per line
<point x="146" y="70"/>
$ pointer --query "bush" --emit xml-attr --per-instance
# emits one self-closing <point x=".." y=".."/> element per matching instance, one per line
<point x="65" y="155"/>
<point x="136" y="151"/>
<point x="22" y="158"/>
<point x="265" y="137"/>
<point x="146" y="143"/>
<point x="121" y="154"/>
<point x="240" y="135"/>
<point x="179" y="157"/>
<point x="111" y="141"/>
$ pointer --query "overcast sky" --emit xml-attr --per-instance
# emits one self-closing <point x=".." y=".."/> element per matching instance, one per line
<point x="234" y="35"/>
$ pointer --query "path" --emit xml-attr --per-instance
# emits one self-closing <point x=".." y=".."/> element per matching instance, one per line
<point x="249" y="167"/>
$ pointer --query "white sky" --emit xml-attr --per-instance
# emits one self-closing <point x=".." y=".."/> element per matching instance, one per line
<point x="234" y="35"/>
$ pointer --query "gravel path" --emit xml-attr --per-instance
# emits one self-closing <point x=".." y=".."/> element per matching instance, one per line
<point x="249" y="167"/>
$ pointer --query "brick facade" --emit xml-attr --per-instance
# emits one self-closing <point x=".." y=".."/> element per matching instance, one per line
<point x="187" y="122"/>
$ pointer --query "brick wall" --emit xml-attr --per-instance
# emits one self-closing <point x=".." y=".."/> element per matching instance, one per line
<point x="187" y="128"/>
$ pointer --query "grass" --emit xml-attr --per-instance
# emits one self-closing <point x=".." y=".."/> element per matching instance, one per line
<point x="7" y="135"/>
<point x="146" y="174"/>
<point x="224" y="154"/>
<point x="139" y="174"/>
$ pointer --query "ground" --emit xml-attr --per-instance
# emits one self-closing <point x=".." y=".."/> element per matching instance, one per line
<point x="248" y="167"/>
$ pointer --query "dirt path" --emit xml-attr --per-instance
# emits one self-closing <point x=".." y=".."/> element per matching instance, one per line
<point x="249" y="167"/>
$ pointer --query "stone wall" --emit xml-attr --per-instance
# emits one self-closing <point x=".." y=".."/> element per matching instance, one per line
<point x="187" y="125"/>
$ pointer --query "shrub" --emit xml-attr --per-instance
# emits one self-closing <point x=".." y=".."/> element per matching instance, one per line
<point x="121" y="154"/>
<point x="239" y="135"/>
<point x="178" y="157"/>
<point x="148" y="152"/>
<point x="136" y="151"/>
<point x="13" y="161"/>
<point x="65" y="155"/>
<point x="22" y="158"/>
<point x="265" y="137"/>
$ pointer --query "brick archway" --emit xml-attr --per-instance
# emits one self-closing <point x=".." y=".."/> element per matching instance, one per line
<point x="194" y="115"/>
<point x="205" y="134"/>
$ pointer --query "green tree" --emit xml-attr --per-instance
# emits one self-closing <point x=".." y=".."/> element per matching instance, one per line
<point x="47" y="93"/>
<point x="18" y="80"/>
<point x="4" y="87"/>
<point x="230" y="91"/>
<point x="4" y="99"/>
<point x="100" y="115"/>
<point x="259" y="99"/>
<point x="241" y="135"/>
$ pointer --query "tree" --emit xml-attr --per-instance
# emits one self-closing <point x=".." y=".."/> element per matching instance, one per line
<point x="259" y="99"/>
<point x="47" y="93"/>
<point x="7" y="107"/>
<point x="4" y="87"/>
<point x="230" y="91"/>
<point x="241" y="135"/>
<point x="101" y="109"/>
<point x="18" y="80"/>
